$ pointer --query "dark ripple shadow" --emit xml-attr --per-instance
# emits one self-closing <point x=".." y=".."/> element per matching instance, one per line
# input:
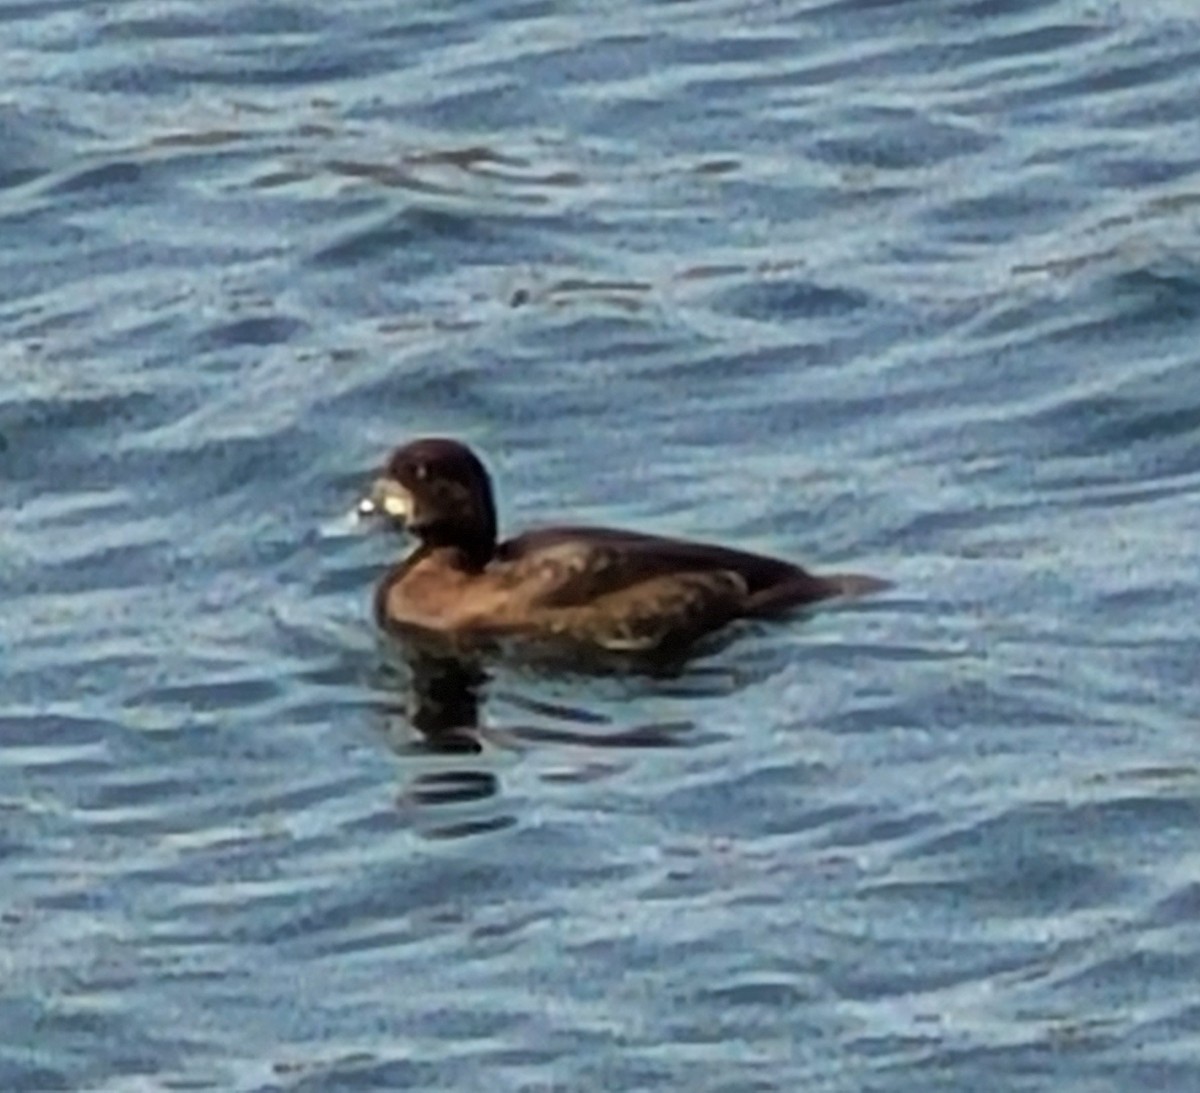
<point x="1157" y="297"/>
<point x="258" y="331"/>
<point x="442" y="717"/>
<point x="773" y="301"/>
<point x="30" y="151"/>
<point x="1030" y="886"/>
<point x="896" y="140"/>
<point x="424" y="240"/>
<point x="105" y="177"/>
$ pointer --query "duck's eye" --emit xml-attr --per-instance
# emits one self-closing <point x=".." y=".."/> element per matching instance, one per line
<point x="421" y="471"/>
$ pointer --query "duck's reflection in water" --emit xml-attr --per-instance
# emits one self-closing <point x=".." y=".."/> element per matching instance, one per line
<point x="455" y="764"/>
<point x="449" y="772"/>
<point x="445" y="700"/>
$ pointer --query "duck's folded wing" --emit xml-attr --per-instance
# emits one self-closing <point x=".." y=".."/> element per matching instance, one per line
<point x="572" y="566"/>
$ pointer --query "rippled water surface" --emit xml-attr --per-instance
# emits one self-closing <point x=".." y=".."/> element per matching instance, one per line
<point x="909" y="288"/>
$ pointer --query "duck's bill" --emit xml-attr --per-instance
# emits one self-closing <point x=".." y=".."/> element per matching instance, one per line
<point x="387" y="499"/>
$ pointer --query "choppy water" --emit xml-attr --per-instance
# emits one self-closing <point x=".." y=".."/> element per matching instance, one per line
<point x="907" y="287"/>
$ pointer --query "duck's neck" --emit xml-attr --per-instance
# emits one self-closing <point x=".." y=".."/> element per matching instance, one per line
<point x="471" y="554"/>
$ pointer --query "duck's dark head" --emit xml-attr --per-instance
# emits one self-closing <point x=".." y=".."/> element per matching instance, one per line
<point x="440" y="492"/>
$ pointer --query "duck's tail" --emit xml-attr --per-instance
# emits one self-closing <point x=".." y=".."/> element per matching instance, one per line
<point x="807" y="588"/>
<point x="856" y="584"/>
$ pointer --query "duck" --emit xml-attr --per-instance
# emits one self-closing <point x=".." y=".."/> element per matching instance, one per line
<point x="602" y="589"/>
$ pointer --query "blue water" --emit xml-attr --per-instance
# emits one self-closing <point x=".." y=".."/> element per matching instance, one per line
<point x="905" y="288"/>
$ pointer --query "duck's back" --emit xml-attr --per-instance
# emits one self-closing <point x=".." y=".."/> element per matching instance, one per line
<point x="574" y="566"/>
